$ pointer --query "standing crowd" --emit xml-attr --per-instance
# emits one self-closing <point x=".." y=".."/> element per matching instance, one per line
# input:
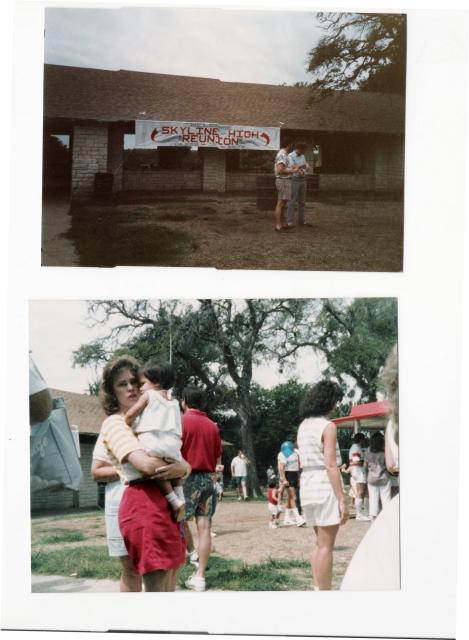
<point x="161" y="461"/>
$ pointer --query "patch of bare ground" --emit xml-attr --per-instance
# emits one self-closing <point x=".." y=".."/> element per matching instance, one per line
<point x="242" y="533"/>
<point x="355" y="232"/>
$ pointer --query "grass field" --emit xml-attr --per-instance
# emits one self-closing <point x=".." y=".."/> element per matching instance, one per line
<point x="246" y="555"/>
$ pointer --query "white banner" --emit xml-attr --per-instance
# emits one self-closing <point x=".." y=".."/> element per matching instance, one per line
<point x="150" y="134"/>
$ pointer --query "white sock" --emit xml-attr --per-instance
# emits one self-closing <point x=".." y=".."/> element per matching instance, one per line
<point x="179" y="491"/>
<point x="359" y="507"/>
<point x="288" y="514"/>
<point x="173" y="500"/>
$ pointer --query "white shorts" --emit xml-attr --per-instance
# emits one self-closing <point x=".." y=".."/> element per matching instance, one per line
<point x="115" y="542"/>
<point x="273" y="509"/>
<point x="325" y="514"/>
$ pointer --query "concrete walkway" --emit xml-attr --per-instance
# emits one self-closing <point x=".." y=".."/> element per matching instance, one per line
<point x="61" y="584"/>
<point x="57" y="251"/>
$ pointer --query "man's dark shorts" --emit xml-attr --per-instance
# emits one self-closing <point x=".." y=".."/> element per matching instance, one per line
<point x="238" y="480"/>
<point x="292" y="478"/>
<point x="199" y="493"/>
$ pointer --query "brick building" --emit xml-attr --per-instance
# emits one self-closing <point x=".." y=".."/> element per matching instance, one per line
<point x="356" y="139"/>
<point x="86" y="413"/>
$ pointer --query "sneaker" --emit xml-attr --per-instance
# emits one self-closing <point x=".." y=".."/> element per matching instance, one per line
<point x="363" y="518"/>
<point x="239" y="498"/>
<point x="273" y="525"/>
<point x="300" y="522"/>
<point x="195" y="583"/>
<point x="289" y="523"/>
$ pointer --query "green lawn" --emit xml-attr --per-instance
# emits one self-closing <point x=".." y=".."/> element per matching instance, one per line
<point x="62" y="536"/>
<point x="222" y="574"/>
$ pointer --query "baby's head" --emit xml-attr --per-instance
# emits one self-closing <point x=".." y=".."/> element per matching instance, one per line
<point x="159" y="375"/>
<point x="273" y="483"/>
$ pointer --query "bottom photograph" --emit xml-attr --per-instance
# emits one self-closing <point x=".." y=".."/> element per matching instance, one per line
<point x="214" y="445"/>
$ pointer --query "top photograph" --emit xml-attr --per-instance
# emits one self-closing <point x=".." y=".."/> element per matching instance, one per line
<point x="220" y="138"/>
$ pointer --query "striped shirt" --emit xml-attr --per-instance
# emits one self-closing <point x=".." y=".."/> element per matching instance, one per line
<point x="119" y="441"/>
<point x="315" y="485"/>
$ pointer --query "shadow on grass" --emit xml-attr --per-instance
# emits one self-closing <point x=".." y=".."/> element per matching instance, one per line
<point x="223" y="574"/>
<point x="107" y="237"/>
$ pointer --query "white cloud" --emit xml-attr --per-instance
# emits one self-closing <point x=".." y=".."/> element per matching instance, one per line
<point x="243" y="46"/>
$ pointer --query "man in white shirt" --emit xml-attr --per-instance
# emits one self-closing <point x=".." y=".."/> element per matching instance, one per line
<point x="239" y="471"/>
<point x="297" y="160"/>
<point x="283" y="173"/>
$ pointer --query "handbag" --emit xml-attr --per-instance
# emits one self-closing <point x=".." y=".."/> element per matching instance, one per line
<point x="54" y="458"/>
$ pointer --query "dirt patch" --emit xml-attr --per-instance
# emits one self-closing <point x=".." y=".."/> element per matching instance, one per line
<point x="351" y="232"/>
<point x="242" y="533"/>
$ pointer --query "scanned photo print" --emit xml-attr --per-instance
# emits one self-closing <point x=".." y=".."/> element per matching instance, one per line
<point x="214" y="445"/>
<point x="281" y="149"/>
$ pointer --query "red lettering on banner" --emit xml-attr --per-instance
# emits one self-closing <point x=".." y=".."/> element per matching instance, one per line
<point x="185" y="137"/>
<point x="165" y="129"/>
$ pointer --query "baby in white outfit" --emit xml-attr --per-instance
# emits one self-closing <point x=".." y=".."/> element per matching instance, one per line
<point x="159" y="427"/>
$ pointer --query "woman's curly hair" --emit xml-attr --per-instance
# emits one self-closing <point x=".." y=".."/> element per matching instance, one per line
<point x="320" y="399"/>
<point x="110" y="371"/>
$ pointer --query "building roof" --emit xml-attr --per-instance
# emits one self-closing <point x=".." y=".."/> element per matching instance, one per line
<point x="76" y="93"/>
<point x="372" y="415"/>
<point x="82" y="410"/>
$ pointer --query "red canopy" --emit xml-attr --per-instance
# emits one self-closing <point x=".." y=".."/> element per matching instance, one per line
<point x="366" y="412"/>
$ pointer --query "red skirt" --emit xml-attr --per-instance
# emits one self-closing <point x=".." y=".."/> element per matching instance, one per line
<point x="154" y="541"/>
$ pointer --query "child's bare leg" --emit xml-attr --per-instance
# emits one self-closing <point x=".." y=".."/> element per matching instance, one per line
<point x="165" y="486"/>
<point x="177" y="504"/>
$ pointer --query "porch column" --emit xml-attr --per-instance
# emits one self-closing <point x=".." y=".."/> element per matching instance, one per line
<point x="89" y="156"/>
<point x="214" y="170"/>
<point x="115" y="164"/>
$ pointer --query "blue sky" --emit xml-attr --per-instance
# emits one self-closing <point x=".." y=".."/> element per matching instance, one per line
<point x="245" y="46"/>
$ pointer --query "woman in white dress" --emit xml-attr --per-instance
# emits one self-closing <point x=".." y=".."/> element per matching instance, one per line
<point x="321" y="487"/>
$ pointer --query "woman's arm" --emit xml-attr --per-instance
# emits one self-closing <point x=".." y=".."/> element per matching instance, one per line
<point x="329" y="438"/>
<point x="136" y="409"/>
<point x="172" y="470"/>
<point x="282" y="168"/>
<point x="103" y="471"/>
<point x="281" y="473"/>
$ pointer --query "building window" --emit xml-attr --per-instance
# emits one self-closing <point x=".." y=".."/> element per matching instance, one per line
<point x="250" y="160"/>
<point x="162" y="158"/>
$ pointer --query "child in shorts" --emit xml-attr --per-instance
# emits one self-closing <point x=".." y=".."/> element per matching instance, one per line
<point x="273" y="505"/>
<point x="159" y="427"/>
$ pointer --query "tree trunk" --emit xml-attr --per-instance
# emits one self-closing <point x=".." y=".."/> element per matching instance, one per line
<point x="246" y="416"/>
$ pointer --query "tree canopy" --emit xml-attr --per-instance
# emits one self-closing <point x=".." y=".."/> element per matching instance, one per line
<point x="365" y="51"/>
<point x="218" y="344"/>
